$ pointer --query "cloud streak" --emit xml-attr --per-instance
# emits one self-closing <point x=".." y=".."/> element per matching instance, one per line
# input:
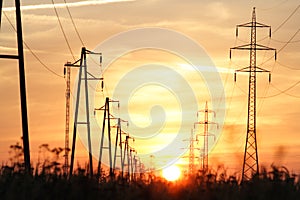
<point x="63" y="5"/>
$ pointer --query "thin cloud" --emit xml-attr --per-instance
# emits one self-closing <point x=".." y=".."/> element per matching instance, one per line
<point x="207" y="68"/>
<point x="63" y="5"/>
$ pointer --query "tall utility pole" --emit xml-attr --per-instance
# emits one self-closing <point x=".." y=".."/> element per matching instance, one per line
<point x="131" y="167"/>
<point x="205" y="134"/>
<point x="1" y="4"/>
<point x="126" y="154"/>
<point x="67" y="74"/>
<point x="86" y="76"/>
<point x="118" y="142"/>
<point x="107" y="117"/>
<point x="22" y="83"/>
<point x="250" y="164"/>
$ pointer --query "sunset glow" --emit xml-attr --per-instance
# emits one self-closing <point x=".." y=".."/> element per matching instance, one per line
<point x="171" y="173"/>
<point x="156" y="112"/>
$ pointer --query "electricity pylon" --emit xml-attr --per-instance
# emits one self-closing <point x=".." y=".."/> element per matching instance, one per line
<point x="131" y="157"/>
<point x="67" y="75"/>
<point x="191" y="155"/>
<point x="250" y="164"/>
<point x="119" y="143"/>
<point x="126" y="155"/>
<point x="107" y="117"/>
<point x="22" y="83"/>
<point x="205" y="134"/>
<point x="86" y="76"/>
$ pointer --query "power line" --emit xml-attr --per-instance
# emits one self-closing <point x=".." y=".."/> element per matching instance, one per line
<point x="286" y="66"/>
<point x="39" y="60"/>
<point x="280" y="41"/>
<point x="82" y="42"/>
<point x="284" y="22"/>
<point x="274" y="95"/>
<point x="277" y="94"/>
<point x="288" y="42"/>
<point x="62" y="30"/>
<point x="74" y="25"/>
<point x="263" y="100"/>
<point x="283" y="91"/>
<point x="31" y="51"/>
<point x="76" y="29"/>
<point x="287" y="19"/>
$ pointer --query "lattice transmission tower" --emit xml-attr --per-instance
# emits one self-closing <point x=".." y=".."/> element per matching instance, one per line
<point x="191" y="156"/>
<point x="205" y="134"/>
<point x="250" y="163"/>
<point x="67" y="75"/>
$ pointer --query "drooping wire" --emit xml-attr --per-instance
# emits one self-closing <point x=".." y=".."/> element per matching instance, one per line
<point x="286" y="66"/>
<point x="279" y="41"/>
<point x="283" y="23"/>
<point x="83" y="44"/>
<point x="282" y="91"/>
<point x="241" y="89"/>
<point x="286" y="90"/>
<point x="77" y="32"/>
<point x="31" y="51"/>
<point x="287" y="19"/>
<point x="260" y="106"/>
<point x="274" y="95"/>
<point x="73" y="23"/>
<point x="288" y="42"/>
<point x="62" y="30"/>
<point x="266" y="89"/>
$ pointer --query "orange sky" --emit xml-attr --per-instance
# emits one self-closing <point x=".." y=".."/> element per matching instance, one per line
<point x="210" y="23"/>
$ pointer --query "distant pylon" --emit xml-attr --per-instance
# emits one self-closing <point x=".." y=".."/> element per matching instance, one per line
<point x="205" y="134"/>
<point x="86" y="76"/>
<point x="250" y="164"/>
<point x="107" y="117"/>
<point x="191" y="155"/>
<point x="126" y="155"/>
<point x="132" y="163"/>
<point x="118" y="143"/>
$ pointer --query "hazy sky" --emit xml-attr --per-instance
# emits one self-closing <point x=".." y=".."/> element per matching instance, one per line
<point x="210" y="23"/>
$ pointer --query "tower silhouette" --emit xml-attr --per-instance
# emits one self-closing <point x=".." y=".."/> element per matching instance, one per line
<point x="250" y="163"/>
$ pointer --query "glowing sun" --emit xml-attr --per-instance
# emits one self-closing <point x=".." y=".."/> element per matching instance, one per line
<point x="171" y="173"/>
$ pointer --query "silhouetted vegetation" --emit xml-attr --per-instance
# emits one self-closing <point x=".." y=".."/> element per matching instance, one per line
<point x="47" y="181"/>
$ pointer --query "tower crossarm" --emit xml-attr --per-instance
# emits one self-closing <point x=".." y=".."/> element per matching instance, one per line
<point x="205" y="122"/>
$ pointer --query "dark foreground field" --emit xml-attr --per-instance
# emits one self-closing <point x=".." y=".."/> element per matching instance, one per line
<point x="46" y="181"/>
<point x="276" y="184"/>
